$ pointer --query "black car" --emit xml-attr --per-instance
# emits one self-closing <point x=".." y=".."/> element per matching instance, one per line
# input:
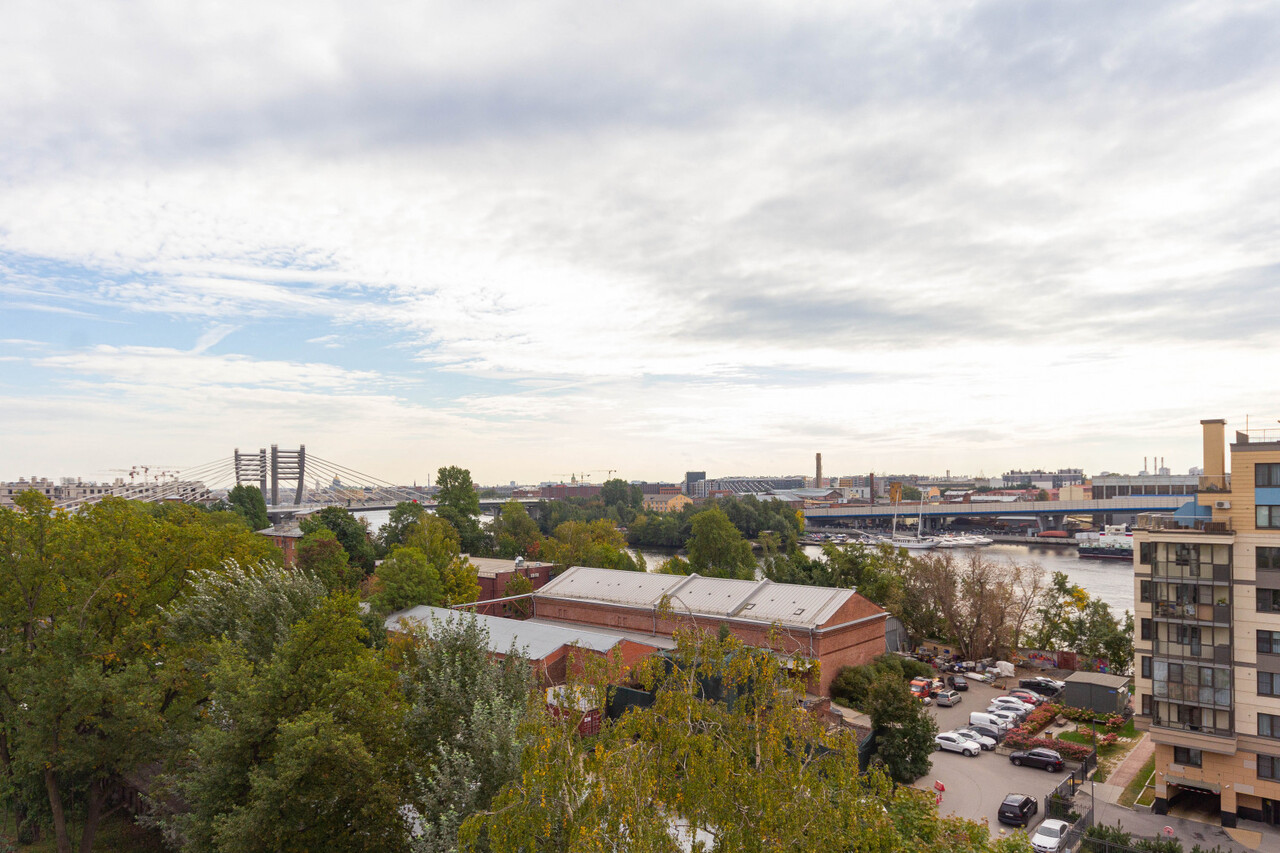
<point x="1039" y="757"/>
<point x="957" y="682"/>
<point x="1046" y="688"/>
<point x="1017" y="809"/>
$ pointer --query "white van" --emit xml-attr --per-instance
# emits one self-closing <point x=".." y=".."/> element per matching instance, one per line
<point x="986" y="719"/>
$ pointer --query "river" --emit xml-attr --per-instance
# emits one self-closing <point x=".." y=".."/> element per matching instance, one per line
<point x="1110" y="580"/>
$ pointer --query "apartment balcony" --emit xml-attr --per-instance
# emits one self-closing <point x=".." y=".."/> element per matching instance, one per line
<point x="1204" y="653"/>
<point x="1171" y="733"/>
<point x="1182" y="523"/>
<point x="1173" y="611"/>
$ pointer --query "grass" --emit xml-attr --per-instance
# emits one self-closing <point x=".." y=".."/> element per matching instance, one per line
<point x="1131" y="792"/>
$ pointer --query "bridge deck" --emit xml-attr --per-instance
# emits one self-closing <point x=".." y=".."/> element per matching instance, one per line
<point x="1142" y="503"/>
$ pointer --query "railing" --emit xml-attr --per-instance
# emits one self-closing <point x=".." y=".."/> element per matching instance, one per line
<point x="1219" y="654"/>
<point x="1218" y="613"/>
<point x="1215" y="482"/>
<point x="1181" y="523"/>
<point x="1188" y="727"/>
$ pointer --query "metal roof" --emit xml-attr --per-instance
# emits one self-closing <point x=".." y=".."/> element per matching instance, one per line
<point x="787" y="604"/>
<point x="1102" y="678"/>
<point x="534" y="640"/>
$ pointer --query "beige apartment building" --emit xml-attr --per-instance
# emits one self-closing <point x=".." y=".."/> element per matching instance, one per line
<point x="1207" y="654"/>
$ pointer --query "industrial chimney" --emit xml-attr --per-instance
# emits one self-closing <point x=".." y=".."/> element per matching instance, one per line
<point x="1215" y="461"/>
<point x="817" y="478"/>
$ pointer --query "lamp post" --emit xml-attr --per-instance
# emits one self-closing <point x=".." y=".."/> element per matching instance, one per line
<point x="1093" y="802"/>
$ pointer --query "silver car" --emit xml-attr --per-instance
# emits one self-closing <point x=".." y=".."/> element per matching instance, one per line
<point x="987" y="743"/>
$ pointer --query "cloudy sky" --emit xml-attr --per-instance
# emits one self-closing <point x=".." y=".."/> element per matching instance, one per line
<point x="541" y="238"/>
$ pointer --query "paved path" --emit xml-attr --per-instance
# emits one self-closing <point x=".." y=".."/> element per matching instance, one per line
<point x="1132" y="763"/>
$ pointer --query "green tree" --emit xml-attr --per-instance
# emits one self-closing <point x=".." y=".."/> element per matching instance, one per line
<point x="515" y="534"/>
<point x="910" y="493"/>
<point x="618" y="492"/>
<point x="322" y="555"/>
<point x="401" y="517"/>
<point x="302" y="752"/>
<point x="459" y="504"/>
<point x="519" y="585"/>
<point x="352" y="532"/>
<point x="248" y="503"/>
<point x="84" y="693"/>
<point x="591" y="543"/>
<point x="717" y="549"/>
<point x="438" y="540"/>
<point x="904" y="730"/>
<point x="405" y="579"/>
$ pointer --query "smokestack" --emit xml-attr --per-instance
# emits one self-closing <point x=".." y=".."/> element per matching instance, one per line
<point x="817" y="477"/>
<point x="1215" y="461"/>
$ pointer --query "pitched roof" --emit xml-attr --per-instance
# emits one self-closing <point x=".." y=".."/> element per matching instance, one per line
<point x="786" y="604"/>
<point x="534" y="640"/>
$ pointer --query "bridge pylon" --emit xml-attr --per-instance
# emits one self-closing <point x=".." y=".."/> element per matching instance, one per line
<point x="287" y="465"/>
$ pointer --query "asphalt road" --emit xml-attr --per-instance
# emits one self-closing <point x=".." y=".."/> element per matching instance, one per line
<point x="975" y="787"/>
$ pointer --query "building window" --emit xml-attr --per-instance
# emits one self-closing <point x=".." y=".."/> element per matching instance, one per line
<point x="1145" y="551"/>
<point x="1267" y="474"/>
<point x="1144" y="590"/>
<point x="1187" y="756"/>
<point x="1146" y="666"/>
<point x="1146" y="705"/>
<point x="1268" y="767"/>
<point x="1269" y="517"/>
<point x="1146" y="625"/>
<point x="1268" y="725"/>
<point x="1268" y="558"/>
<point x="1269" y="642"/>
<point x="1268" y="600"/>
<point x="1268" y="683"/>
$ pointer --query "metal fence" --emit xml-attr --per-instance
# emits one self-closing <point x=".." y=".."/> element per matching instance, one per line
<point x="1067" y="787"/>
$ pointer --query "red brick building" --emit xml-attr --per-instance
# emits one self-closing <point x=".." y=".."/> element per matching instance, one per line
<point x="836" y="627"/>
<point x="494" y="575"/>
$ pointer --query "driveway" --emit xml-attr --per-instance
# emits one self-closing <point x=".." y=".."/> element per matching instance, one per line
<point x="975" y="787"/>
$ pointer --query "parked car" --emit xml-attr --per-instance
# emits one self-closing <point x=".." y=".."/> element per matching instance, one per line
<point x="1039" y="757"/>
<point x="1015" y="703"/>
<point x="1015" y="715"/>
<point x="1050" y="836"/>
<point x="1017" y="809"/>
<point x="1009" y="718"/>
<point x="985" y="741"/>
<point x="1029" y="696"/>
<point x="952" y="742"/>
<point x="994" y="732"/>
<point x="947" y="698"/>
<point x="921" y="688"/>
<point x="1044" y="686"/>
<point x="957" y="682"/>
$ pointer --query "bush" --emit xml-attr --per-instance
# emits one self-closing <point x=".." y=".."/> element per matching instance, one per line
<point x="1019" y="738"/>
<point x="912" y="668"/>
<point x="1115" y="722"/>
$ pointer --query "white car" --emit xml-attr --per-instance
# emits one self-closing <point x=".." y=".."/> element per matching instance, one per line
<point x="1014" y="702"/>
<point x="1050" y="836"/>
<point x="987" y="743"/>
<point x="953" y="742"/>
<point x="1005" y="714"/>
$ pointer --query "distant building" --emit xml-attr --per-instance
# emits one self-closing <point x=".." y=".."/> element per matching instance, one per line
<point x="494" y="574"/>
<point x="1121" y="486"/>
<point x="666" y="502"/>
<point x="285" y="535"/>
<point x="691" y="481"/>
<point x="561" y="491"/>
<point x="1042" y="479"/>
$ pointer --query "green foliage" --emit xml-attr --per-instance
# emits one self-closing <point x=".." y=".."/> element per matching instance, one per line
<point x="401" y="517"/>
<point x="322" y="555"/>
<point x="1073" y="620"/>
<point x="519" y="585"/>
<point x="248" y="503"/>
<point x="85" y="691"/>
<point x="717" y="549"/>
<point x="352" y="532"/>
<point x="904" y="729"/>
<point x="596" y="543"/>
<point x="406" y="579"/>
<point x="515" y="534"/>
<point x="458" y="503"/>
<point x="622" y="495"/>
<point x="440" y="542"/>
<point x="302" y="752"/>
<point x="852" y="684"/>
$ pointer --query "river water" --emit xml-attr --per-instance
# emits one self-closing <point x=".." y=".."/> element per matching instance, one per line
<point x="1110" y="580"/>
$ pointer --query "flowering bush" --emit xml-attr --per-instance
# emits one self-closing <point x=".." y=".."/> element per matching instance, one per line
<point x="1115" y="722"/>
<point x="1108" y="739"/>
<point x="1019" y="739"/>
<point x="1039" y="719"/>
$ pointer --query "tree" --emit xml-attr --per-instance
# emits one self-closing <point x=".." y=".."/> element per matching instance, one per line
<point x="84" y="692"/>
<point x="438" y="540"/>
<point x="400" y="518"/>
<point x="405" y="579"/>
<point x="904" y="730"/>
<point x="515" y="534"/>
<point x="1042" y="495"/>
<point x="595" y="543"/>
<point x="352" y="532"/>
<point x="519" y="585"/>
<point x="910" y="493"/>
<point x="458" y="503"/>
<point x="248" y="503"/>
<point x="465" y="711"/>
<point x="322" y="555"/>
<point x="717" y="549"/>
<point x="304" y="751"/>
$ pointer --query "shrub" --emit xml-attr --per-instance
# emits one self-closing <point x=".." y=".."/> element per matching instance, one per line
<point x="1115" y="722"/>
<point x="1108" y="739"/>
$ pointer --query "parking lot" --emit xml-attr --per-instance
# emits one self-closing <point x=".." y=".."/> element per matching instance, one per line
<point x="975" y="787"/>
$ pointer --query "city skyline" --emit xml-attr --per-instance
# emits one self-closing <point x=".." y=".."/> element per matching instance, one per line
<point x="538" y="240"/>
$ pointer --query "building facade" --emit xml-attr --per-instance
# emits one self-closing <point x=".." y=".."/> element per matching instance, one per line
<point x="1207" y="601"/>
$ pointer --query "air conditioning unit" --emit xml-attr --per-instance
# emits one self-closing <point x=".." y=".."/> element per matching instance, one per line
<point x="1222" y="504"/>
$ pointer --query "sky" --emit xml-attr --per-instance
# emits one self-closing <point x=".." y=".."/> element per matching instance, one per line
<point x="554" y="238"/>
